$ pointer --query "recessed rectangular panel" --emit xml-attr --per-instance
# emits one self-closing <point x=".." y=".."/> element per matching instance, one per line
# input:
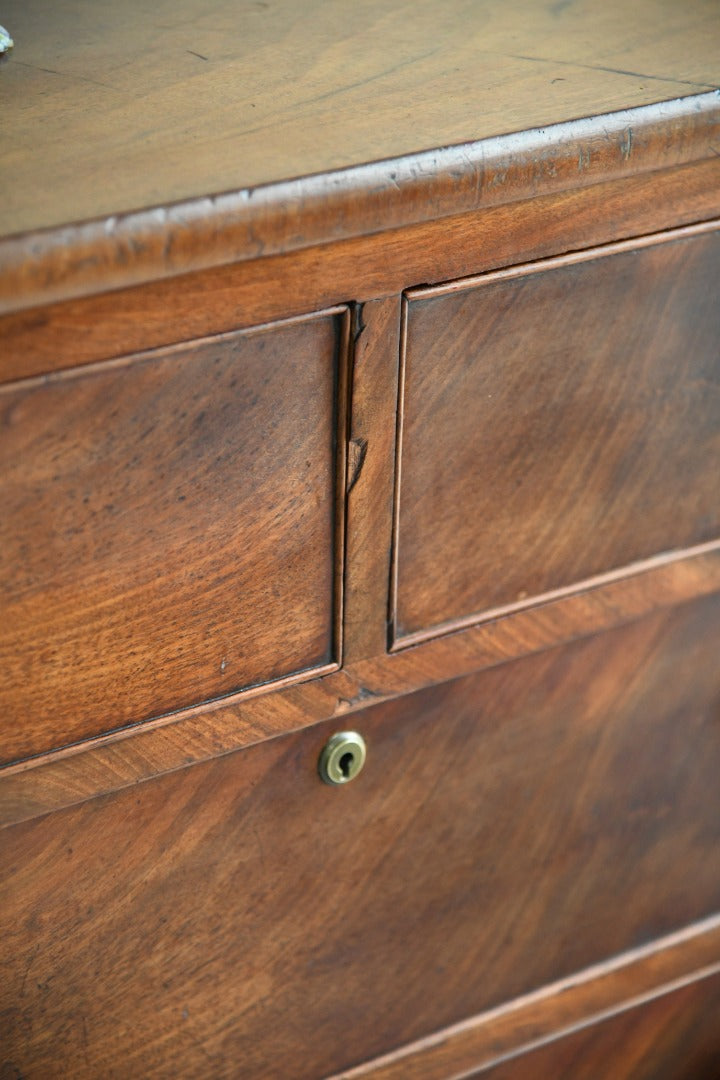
<point x="168" y="530"/>
<point x="560" y="421"/>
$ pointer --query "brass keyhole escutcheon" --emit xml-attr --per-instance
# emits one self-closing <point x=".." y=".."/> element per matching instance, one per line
<point x="342" y="758"/>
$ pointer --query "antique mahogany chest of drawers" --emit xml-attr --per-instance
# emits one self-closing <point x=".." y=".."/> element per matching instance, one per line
<point x="360" y="372"/>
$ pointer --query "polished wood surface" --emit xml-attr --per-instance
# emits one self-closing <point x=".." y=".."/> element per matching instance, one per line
<point x="523" y="880"/>
<point x="674" y="1037"/>
<point x="37" y="341"/>
<point x="131" y="107"/>
<point x="149" y="509"/>
<point x="371" y="480"/>
<point x="453" y="108"/>
<point x="559" y="421"/>
<point x="585" y="998"/>
<point x="508" y="830"/>
<point x="124" y="758"/>
<point x="149" y="245"/>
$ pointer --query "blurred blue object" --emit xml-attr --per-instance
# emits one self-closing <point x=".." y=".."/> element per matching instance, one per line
<point x="6" y="42"/>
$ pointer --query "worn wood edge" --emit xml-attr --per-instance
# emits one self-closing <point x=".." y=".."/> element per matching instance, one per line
<point x="556" y="1010"/>
<point x="37" y="786"/>
<point x="149" y="244"/>
<point x="40" y="340"/>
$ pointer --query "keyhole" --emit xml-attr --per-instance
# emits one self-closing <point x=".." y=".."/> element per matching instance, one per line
<point x="342" y="758"/>
<point x="346" y="763"/>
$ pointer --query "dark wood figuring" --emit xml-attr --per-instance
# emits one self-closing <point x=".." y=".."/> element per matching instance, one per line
<point x="674" y="1037"/>
<point x="170" y="530"/>
<point x="559" y="421"/>
<point x="508" y="829"/>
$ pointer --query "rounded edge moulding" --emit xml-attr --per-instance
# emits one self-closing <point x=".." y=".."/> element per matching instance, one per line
<point x="121" y="250"/>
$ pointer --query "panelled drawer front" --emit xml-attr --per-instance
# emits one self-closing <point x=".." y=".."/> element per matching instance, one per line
<point x="243" y="918"/>
<point x="168" y="529"/>
<point x="560" y="421"/>
<point x="673" y="1037"/>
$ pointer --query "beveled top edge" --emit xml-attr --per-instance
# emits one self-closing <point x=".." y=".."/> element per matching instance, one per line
<point x="89" y="257"/>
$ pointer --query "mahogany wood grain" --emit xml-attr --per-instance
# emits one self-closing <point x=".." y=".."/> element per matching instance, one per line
<point x="674" y="1037"/>
<point x="559" y="421"/>
<point x="133" y="755"/>
<point x="508" y="830"/>
<point x="182" y="137"/>
<point x="371" y="480"/>
<point x="171" y="529"/>
<point x="531" y="1020"/>
<point x="45" y="339"/>
<point x="196" y="543"/>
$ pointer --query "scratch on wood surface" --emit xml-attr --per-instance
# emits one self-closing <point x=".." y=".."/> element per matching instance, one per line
<point x="583" y="158"/>
<point x="611" y="70"/>
<point x="360" y="324"/>
<point x="626" y="144"/>
<point x="357" y="449"/>
<point x="62" y="74"/>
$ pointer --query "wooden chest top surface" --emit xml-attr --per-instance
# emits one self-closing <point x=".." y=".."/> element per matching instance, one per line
<point x="109" y="108"/>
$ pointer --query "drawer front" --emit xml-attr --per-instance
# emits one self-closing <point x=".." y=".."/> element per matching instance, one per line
<point x="168" y="530"/>
<point x="673" y="1037"/>
<point x="243" y="918"/>
<point x="560" y="421"/>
